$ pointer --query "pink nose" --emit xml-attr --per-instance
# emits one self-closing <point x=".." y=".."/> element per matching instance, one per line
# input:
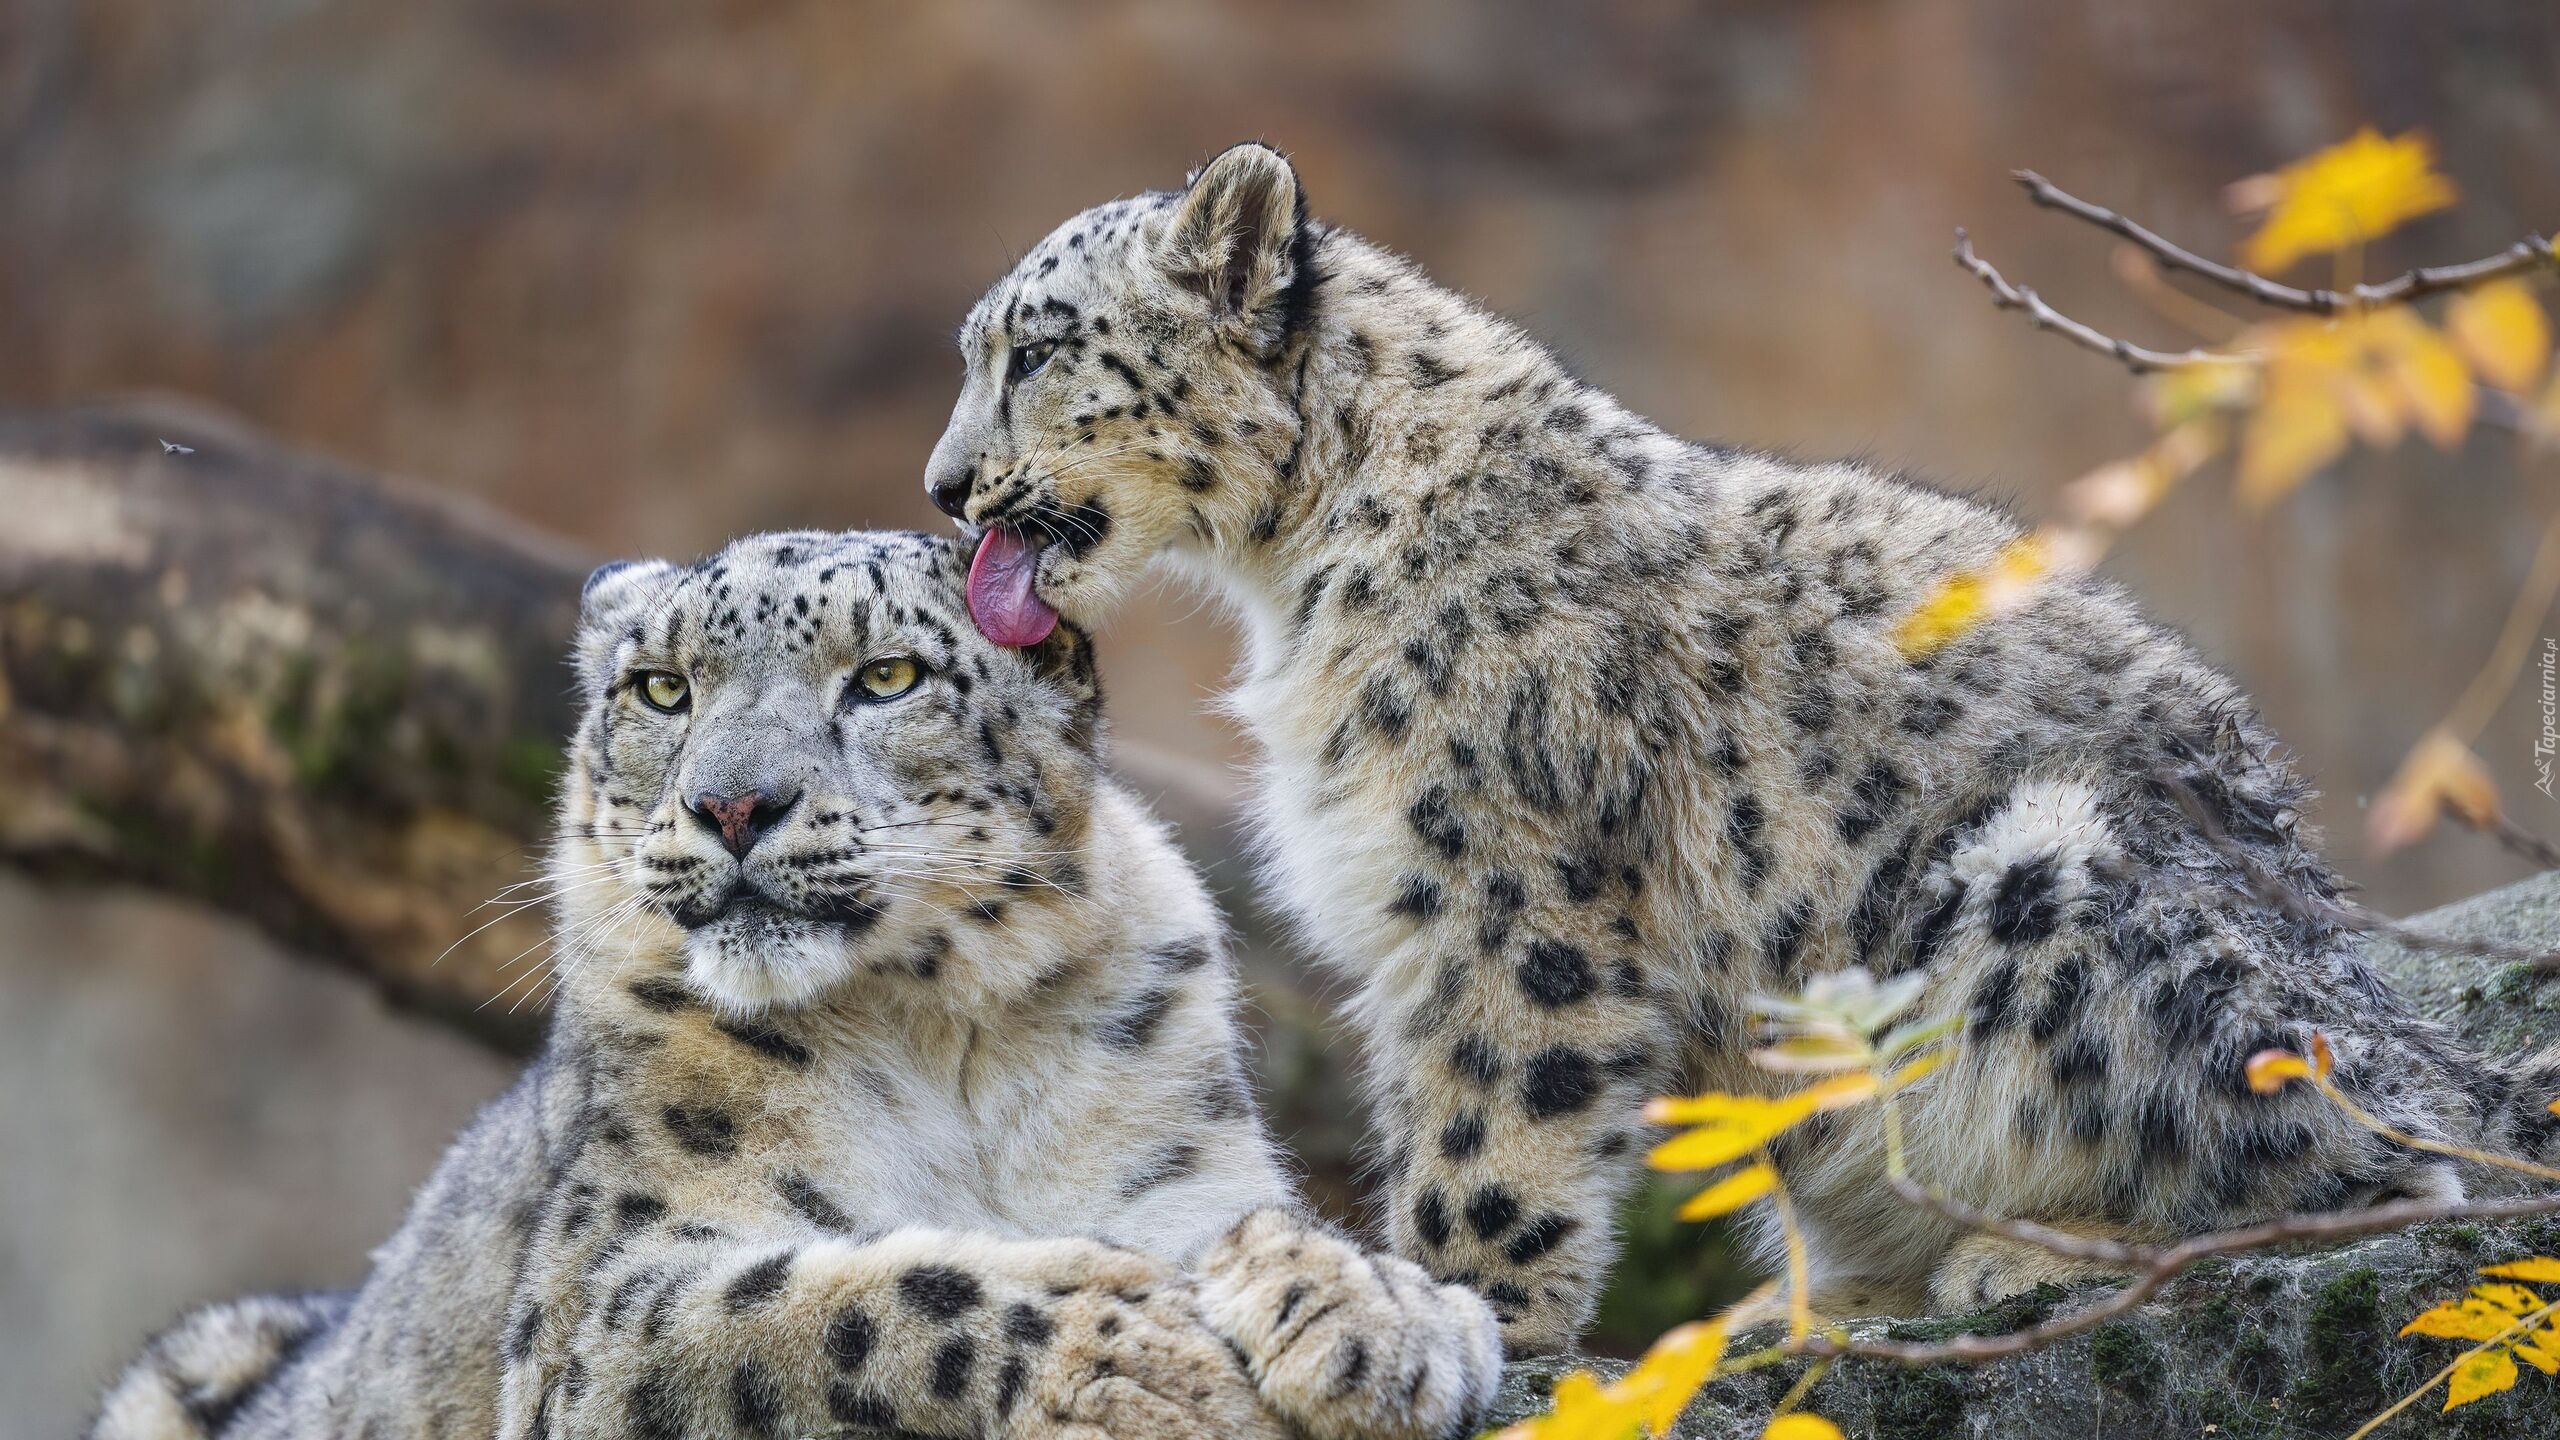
<point x="741" y="819"/>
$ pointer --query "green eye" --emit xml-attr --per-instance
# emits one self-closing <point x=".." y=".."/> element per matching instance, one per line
<point x="888" y="679"/>
<point x="665" y="690"/>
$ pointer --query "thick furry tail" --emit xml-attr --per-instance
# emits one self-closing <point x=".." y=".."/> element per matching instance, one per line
<point x="197" y="1376"/>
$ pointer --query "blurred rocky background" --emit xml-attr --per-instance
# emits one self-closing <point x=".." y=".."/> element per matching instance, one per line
<point x="648" y="274"/>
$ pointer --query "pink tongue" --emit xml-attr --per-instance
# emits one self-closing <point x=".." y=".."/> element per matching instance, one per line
<point x="1000" y="597"/>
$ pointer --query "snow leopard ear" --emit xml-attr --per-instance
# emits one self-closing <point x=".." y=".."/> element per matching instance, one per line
<point x="1239" y="239"/>
<point x="618" y="590"/>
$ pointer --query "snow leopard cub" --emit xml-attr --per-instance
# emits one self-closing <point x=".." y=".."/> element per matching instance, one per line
<point x="1574" y="735"/>
<point x="893" y="1085"/>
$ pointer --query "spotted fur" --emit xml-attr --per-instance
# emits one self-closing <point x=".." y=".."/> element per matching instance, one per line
<point x="1574" y="735"/>
<point x="906" y="1097"/>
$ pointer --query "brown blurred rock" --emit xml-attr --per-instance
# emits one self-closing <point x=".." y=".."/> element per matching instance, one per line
<point x="653" y="274"/>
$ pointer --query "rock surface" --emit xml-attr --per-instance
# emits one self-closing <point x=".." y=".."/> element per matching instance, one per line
<point x="2293" y="1345"/>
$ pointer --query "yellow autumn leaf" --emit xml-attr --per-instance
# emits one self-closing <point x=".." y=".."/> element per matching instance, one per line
<point x="2514" y="1299"/>
<point x="1668" y="1377"/>
<point x="1916" y="1069"/>
<point x="2440" y="776"/>
<point x="2299" y="427"/>
<point x="2374" y="404"/>
<point x="2539" y="1267"/>
<point x="1647" y="1399"/>
<point x="1729" y="1127"/>
<point x="2427" y="371"/>
<point x="1731" y="1193"/>
<point x="1835" y="1093"/>
<point x="2480" y="1375"/>
<point x="2271" y="1070"/>
<point x="2541" y="1350"/>
<point x="1705" y="1149"/>
<point x="2345" y="195"/>
<point x="1718" y="1108"/>
<point x="2185" y="394"/>
<point x="2461" y="1320"/>
<point x="1969" y="597"/>
<point x="1801" y="1427"/>
<point x="2501" y="330"/>
<point x="1580" y="1410"/>
<point x="1709" y="1146"/>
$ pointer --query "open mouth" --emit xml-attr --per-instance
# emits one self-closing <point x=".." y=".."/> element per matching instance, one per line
<point x="1001" y="598"/>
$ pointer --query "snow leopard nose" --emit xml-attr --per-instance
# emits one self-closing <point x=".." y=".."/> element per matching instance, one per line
<point x="742" y="820"/>
<point x="950" y="492"/>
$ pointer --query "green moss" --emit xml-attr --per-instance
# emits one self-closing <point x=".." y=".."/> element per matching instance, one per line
<point x="2513" y="985"/>
<point x="2015" y="1313"/>
<point x="1918" y="1405"/>
<point x="2256" y="1363"/>
<point x="2213" y="1322"/>
<point x="2342" y="1352"/>
<point x="2343" y="1316"/>
<point x="194" y="863"/>
<point x="336" y="724"/>
<point x="2124" y="1361"/>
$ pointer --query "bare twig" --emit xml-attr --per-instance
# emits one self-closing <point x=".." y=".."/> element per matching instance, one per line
<point x="2300" y="905"/>
<point x="2524" y="844"/>
<point x="2158" y="1267"/>
<point x="2530" y="253"/>
<point x="2494" y="408"/>
<point x="2136" y="358"/>
<point x="2043" y="1237"/>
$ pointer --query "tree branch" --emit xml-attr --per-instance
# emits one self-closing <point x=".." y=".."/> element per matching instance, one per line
<point x="327" y="703"/>
<point x="2136" y="358"/>
<point x="2527" y="254"/>
<point x="2158" y="1266"/>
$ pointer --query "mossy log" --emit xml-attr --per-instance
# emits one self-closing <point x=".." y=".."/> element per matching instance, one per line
<point x="325" y="701"/>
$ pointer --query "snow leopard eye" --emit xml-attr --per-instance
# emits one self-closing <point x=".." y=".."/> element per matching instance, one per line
<point x="888" y="679"/>
<point x="667" y="691"/>
<point x="1028" y="359"/>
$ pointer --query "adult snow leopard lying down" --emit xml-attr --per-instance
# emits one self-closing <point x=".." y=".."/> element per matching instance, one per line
<point x="1575" y="734"/>
<point x="892" y="1086"/>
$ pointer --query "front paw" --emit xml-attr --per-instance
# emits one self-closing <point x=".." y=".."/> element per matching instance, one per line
<point x="1986" y="1269"/>
<point x="1125" y="1354"/>
<point x="1347" y="1345"/>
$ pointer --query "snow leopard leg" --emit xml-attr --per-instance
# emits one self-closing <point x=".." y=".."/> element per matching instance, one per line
<point x="1510" y="1078"/>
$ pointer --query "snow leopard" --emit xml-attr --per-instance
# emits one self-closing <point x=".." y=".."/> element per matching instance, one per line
<point x="893" y="1086"/>
<point x="1573" y="736"/>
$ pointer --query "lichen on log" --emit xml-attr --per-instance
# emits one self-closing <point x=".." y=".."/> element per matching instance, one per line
<point x="327" y="702"/>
